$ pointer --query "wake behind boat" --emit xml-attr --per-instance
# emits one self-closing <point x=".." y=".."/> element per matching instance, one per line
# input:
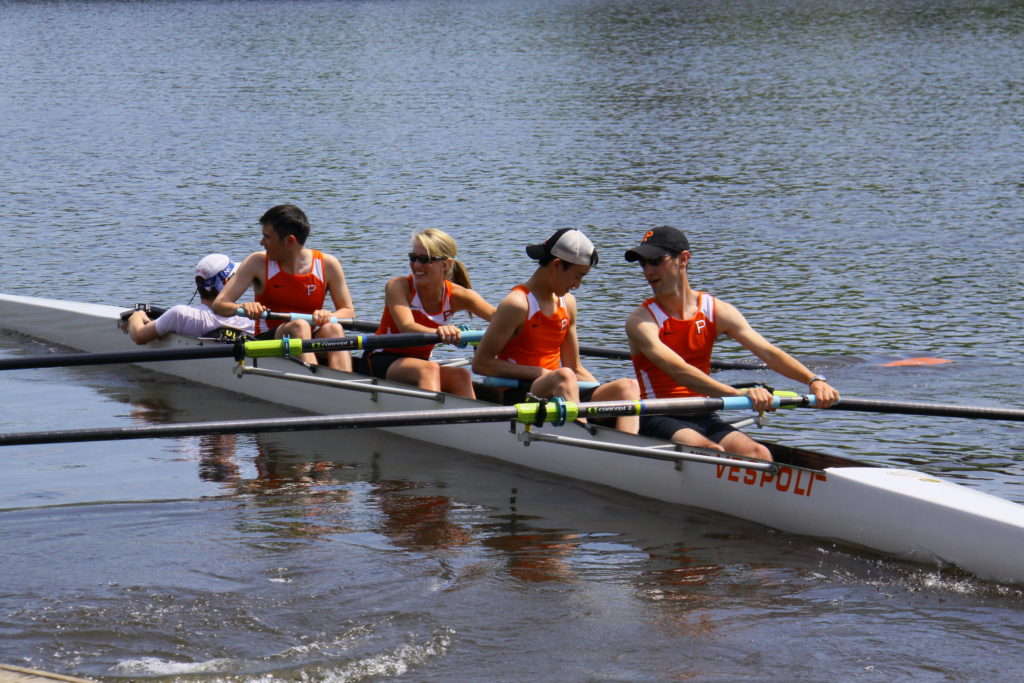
<point x="898" y="512"/>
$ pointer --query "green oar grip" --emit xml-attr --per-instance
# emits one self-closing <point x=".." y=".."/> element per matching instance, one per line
<point x="556" y="412"/>
<point x="265" y="348"/>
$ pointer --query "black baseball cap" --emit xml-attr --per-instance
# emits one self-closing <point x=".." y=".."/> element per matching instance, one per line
<point x="659" y="241"/>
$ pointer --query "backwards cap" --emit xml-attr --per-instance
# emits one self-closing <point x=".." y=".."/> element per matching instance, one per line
<point x="567" y="244"/>
<point x="213" y="271"/>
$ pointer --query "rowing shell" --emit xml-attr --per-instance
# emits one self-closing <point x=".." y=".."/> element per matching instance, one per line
<point x="898" y="512"/>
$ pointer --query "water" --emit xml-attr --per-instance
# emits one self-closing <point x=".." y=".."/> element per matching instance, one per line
<point x="849" y="176"/>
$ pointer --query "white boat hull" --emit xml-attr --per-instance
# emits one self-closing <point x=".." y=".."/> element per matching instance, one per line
<point x="897" y="512"/>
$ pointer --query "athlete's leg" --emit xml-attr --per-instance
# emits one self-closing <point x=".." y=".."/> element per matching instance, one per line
<point x="624" y="389"/>
<point x="561" y="382"/>
<point x="339" y="360"/>
<point x="738" y="442"/>
<point x="297" y="329"/>
<point x="457" y="381"/>
<point x="420" y="373"/>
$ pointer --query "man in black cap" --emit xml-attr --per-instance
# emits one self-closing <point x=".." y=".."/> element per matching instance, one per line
<point x="671" y="336"/>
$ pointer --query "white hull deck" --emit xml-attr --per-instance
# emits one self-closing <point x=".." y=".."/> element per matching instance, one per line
<point x="898" y="512"/>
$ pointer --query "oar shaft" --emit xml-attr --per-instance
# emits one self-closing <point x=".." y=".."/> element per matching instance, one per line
<point x="287" y="424"/>
<point x="934" y="409"/>
<point x="522" y="412"/>
<point x="53" y="360"/>
<point x="251" y="349"/>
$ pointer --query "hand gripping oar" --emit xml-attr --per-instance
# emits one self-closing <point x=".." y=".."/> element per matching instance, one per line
<point x="934" y="409"/>
<point x="555" y="411"/>
<point x="238" y="351"/>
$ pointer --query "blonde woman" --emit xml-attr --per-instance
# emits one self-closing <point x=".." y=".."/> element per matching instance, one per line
<point x="436" y="289"/>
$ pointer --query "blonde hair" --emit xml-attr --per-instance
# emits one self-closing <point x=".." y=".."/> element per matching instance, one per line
<point x="439" y="243"/>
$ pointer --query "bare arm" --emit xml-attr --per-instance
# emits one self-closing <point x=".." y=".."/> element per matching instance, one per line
<point x="338" y="288"/>
<point x="462" y="299"/>
<point x="469" y="300"/>
<point x="398" y="299"/>
<point x="249" y="273"/>
<point x="141" y="329"/>
<point x="505" y="323"/>
<point x="570" y="351"/>
<point x="642" y="331"/>
<point x="732" y="323"/>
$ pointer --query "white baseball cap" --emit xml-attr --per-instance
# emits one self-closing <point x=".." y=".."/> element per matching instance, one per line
<point x="567" y="244"/>
<point x="213" y="271"/>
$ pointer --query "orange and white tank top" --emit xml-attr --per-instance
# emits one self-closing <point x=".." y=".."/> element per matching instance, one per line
<point x="421" y="316"/>
<point x="292" y="293"/>
<point x="539" y="342"/>
<point x="692" y="339"/>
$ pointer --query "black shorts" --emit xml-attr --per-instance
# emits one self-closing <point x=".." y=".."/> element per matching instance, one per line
<point x="376" y="364"/>
<point x="708" y="425"/>
<point x="517" y="394"/>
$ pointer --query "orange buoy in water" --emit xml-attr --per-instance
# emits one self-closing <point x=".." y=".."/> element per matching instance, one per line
<point x="915" y="361"/>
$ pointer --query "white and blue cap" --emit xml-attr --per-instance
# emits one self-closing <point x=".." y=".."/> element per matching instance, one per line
<point x="213" y="271"/>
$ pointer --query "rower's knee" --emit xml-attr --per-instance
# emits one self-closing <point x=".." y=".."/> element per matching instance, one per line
<point x="565" y="383"/>
<point x="431" y="376"/>
<point x="457" y="381"/>
<point x="332" y="330"/>
<point x="691" y="437"/>
<point x="741" y="444"/>
<point x="297" y="328"/>
<point x="624" y="389"/>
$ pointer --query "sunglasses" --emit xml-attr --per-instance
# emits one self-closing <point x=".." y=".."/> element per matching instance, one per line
<point x="423" y="258"/>
<point x="652" y="262"/>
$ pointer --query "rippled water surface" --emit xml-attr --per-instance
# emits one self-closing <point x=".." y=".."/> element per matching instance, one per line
<point x="849" y="174"/>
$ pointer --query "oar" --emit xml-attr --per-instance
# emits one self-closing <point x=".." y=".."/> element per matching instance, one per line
<point x="595" y="351"/>
<point x="934" y="409"/>
<point x="553" y="411"/>
<point x="242" y="349"/>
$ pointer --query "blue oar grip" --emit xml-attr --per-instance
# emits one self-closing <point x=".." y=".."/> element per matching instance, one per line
<point x="735" y="403"/>
<point x="241" y="311"/>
